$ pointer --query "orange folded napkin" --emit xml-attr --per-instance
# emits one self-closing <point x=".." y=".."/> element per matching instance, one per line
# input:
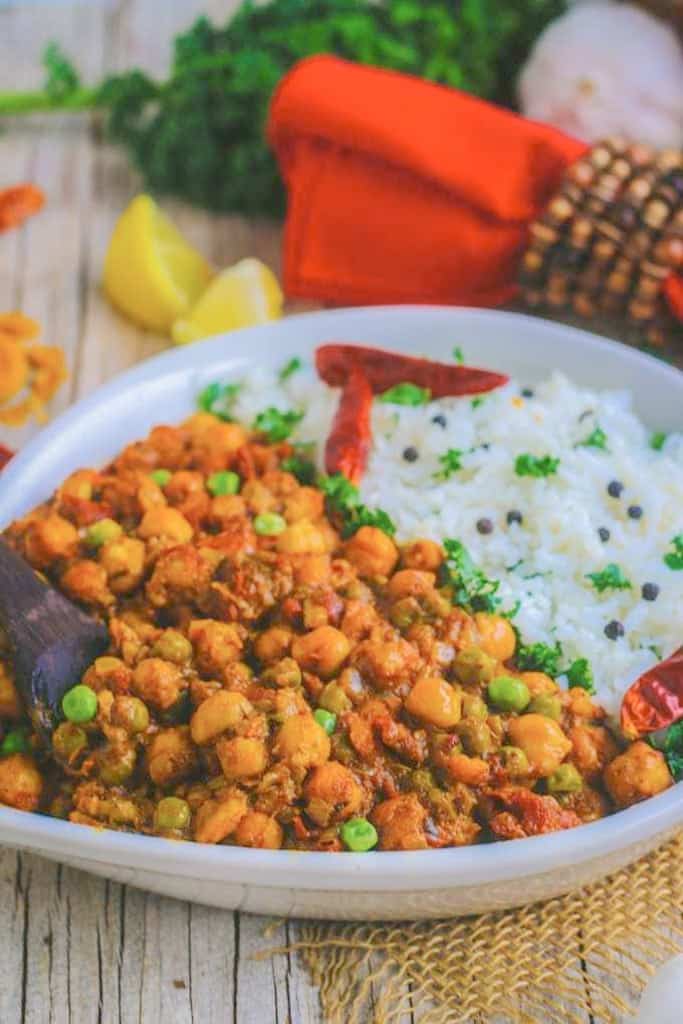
<point x="405" y="191"/>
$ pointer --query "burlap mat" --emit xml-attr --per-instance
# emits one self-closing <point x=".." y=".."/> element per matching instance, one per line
<point x="577" y="959"/>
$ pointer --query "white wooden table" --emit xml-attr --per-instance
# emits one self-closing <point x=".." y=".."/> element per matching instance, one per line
<point x="75" y="949"/>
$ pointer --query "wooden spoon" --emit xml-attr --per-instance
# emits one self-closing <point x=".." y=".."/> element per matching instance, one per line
<point x="53" y="642"/>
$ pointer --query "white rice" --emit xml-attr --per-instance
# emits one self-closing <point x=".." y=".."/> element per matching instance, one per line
<point x="543" y="562"/>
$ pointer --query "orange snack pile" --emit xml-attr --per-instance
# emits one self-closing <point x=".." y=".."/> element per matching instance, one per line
<point x="30" y="373"/>
<point x="18" y="203"/>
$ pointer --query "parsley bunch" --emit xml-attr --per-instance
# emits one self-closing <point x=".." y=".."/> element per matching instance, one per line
<point x="199" y="134"/>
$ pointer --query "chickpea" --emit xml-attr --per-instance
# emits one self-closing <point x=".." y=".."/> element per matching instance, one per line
<point x="638" y="773"/>
<point x="79" y="485"/>
<point x="108" y="674"/>
<point x="273" y="644"/>
<point x="50" y="539"/>
<point x="183" y="485"/>
<point x="335" y="699"/>
<point x="86" y="582"/>
<point x="302" y="538"/>
<point x="333" y="793"/>
<point x="542" y="740"/>
<point x="217" y="819"/>
<point x="435" y="701"/>
<point x="288" y="702"/>
<point x="305" y="503"/>
<point x="471" y="771"/>
<point x="539" y="684"/>
<point x="225" y="507"/>
<point x="302" y="742"/>
<point x="258" y="498"/>
<point x="410" y="583"/>
<point x="157" y="682"/>
<point x="241" y="757"/>
<point x="473" y="706"/>
<point x="496" y="635"/>
<point x="259" y="831"/>
<point x="422" y="554"/>
<point x="123" y="560"/>
<point x="372" y="552"/>
<point x="222" y="438"/>
<point x="285" y="672"/>
<point x="131" y="714"/>
<point x="10" y="702"/>
<point x="223" y="710"/>
<point x="166" y="524"/>
<point x="400" y="823"/>
<point x="21" y="784"/>
<point x="475" y="735"/>
<point x="149" y="495"/>
<point x="323" y="651"/>
<point x="198" y="425"/>
<point x="171" y="755"/>
<point x="216" y="645"/>
<point x="312" y="570"/>
<point x="580" y="704"/>
<point x="116" y="763"/>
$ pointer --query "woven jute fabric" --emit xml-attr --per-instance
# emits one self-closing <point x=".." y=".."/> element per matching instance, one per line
<point x="580" y="958"/>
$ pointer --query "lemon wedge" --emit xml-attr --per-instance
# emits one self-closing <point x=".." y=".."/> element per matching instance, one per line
<point x="241" y="296"/>
<point x="151" y="273"/>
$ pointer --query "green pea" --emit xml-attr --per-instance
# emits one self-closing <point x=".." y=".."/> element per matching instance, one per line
<point x="102" y="532"/>
<point x="131" y="714"/>
<point x="79" y="704"/>
<point x="475" y="736"/>
<point x="474" y="666"/>
<point x="359" y="835"/>
<point x="223" y="483"/>
<point x="173" y="646"/>
<point x="116" y="764"/>
<point x="171" y="813"/>
<point x="269" y="524"/>
<point x="515" y="761"/>
<point x="334" y="699"/>
<point x="326" y="719"/>
<point x="15" y="742"/>
<point x="473" y="706"/>
<point x="547" y="704"/>
<point x="508" y="693"/>
<point x="161" y="477"/>
<point x="565" y="779"/>
<point x="68" y="740"/>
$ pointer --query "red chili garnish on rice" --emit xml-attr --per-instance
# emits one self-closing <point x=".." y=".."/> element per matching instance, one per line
<point x="5" y="455"/>
<point x="348" y="445"/>
<point x="386" y="369"/>
<point x="18" y="203"/>
<point x="655" y="700"/>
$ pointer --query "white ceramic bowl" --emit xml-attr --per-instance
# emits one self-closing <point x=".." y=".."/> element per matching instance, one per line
<point x="354" y="886"/>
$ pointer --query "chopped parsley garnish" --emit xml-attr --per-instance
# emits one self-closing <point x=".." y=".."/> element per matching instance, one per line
<point x="344" y="499"/>
<point x="217" y="399"/>
<point x="580" y="674"/>
<point x="609" y="578"/>
<point x="596" y="439"/>
<point x="289" y="368"/>
<point x="673" y="750"/>
<point x="406" y="394"/>
<point x="538" y="466"/>
<point x="539" y="657"/>
<point x="512" y="613"/>
<point x="458" y="355"/>
<point x="674" y="559"/>
<point x="300" y="463"/>
<point x="450" y="463"/>
<point x="658" y="440"/>
<point x="471" y="589"/>
<point x="276" y="425"/>
<point x="476" y="402"/>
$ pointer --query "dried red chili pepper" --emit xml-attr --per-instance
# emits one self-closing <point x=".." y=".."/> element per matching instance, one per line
<point x="386" y="369"/>
<point x="5" y="456"/>
<point x="17" y="203"/>
<point x="655" y="700"/>
<point x="348" y="445"/>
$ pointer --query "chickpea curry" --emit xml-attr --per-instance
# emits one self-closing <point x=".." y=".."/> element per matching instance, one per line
<point x="282" y="676"/>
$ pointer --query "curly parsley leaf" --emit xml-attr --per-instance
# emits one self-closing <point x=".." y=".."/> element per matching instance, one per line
<point x="458" y="355"/>
<point x="539" y="657"/>
<point x="344" y="499"/>
<point x="674" y="559"/>
<point x="406" y="394"/>
<point x="580" y="674"/>
<point x="300" y="463"/>
<point x="289" y="368"/>
<point x="673" y="750"/>
<point x="537" y="466"/>
<point x="476" y="402"/>
<point x="596" y="439"/>
<point x="277" y="425"/>
<point x="451" y="462"/>
<point x="471" y="589"/>
<point x="609" y="578"/>
<point x="658" y="440"/>
<point x="218" y="399"/>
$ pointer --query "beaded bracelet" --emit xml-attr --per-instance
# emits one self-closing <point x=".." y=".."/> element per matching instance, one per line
<point x="610" y="237"/>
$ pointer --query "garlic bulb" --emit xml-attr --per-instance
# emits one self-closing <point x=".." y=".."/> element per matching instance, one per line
<point x="607" y="68"/>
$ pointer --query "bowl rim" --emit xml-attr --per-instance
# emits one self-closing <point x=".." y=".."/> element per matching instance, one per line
<point x="393" y="871"/>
